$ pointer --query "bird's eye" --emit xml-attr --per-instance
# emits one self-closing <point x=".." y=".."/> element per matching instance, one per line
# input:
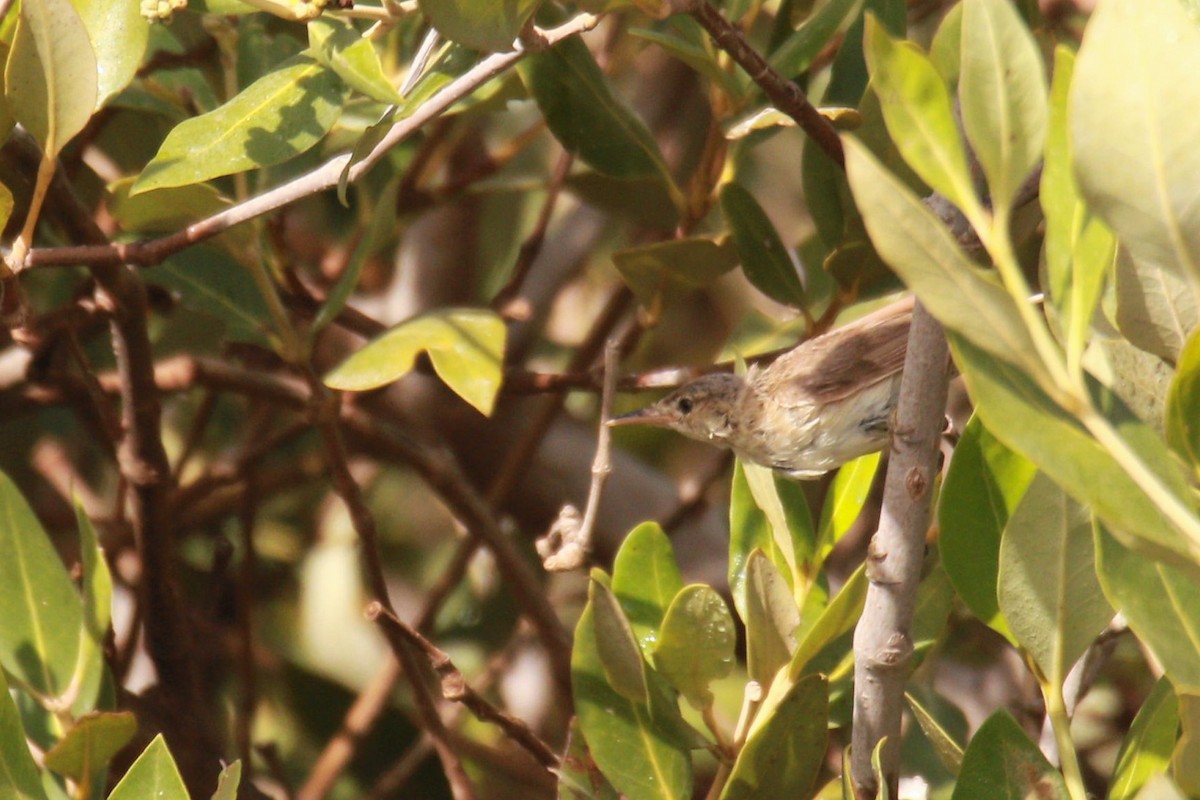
<point x="684" y="405"/>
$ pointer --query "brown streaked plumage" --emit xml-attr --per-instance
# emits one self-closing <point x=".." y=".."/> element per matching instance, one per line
<point x="814" y="408"/>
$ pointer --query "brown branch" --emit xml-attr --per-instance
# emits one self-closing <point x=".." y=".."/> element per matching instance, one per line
<point x="883" y="647"/>
<point x="456" y="689"/>
<point x="785" y="95"/>
<point x="327" y="176"/>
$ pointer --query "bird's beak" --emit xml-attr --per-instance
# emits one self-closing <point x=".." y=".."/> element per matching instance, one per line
<point x="650" y="415"/>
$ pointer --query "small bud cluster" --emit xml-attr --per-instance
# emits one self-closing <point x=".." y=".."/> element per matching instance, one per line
<point x="162" y="10"/>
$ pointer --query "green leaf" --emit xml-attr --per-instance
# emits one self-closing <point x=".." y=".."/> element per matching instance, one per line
<point x="848" y="75"/>
<point x="912" y="241"/>
<point x="838" y="619"/>
<point x="983" y="485"/>
<point x="945" y="745"/>
<point x="1002" y="94"/>
<point x="1079" y="247"/>
<point x="18" y="774"/>
<point x="154" y="774"/>
<point x="465" y="345"/>
<point x="228" y="781"/>
<point x="338" y="45"/>
<point x="208" y="280"/>
<point x="92" y="671"/>
<point x="279" y="116"/>
<point x="163" y="210"/>
<point x="1021" y="416"/>
<point x="771" y="619"/>
<point x="844" y="501"/>
<point x="646" y="580"/>
<point x="785" y="750"/>
<point x="646" y="201"/>
<point x="694" y="262"/>
<point x="919" y="114"/>
<point x="578" y="777"/>
<point x="490" y="25"/>
<point x="90" y="744"/>
<point x="798" y="51"/>
<point x="641" y="760"/>
<point x="1185" y="760"/>
<point x="1182" y="425"/>
<point x="1001" y="763"/>
<point x="589" y="120"/>
<point x="782" y="501"/>
<point x="118" y="33"/>
<point x="617" y="646"/>
<point x="696" y="644"/>
<point x="1048" y="588"/>
<point x="1140" y="170"/>
<point x="6" y="202"/>
<point x="51" y="74"/>
<point x="1160" y="602"/>
<point x="945" y="51"/>
<point x="1146" y="749"/>
<point x="749" y="530"/>
<point x="765" y="259"/>
<point x="1156" y="309"/>
<point x="42" y="613"/>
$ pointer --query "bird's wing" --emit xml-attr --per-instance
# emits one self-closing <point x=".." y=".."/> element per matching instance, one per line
<point x="835" y="365"/>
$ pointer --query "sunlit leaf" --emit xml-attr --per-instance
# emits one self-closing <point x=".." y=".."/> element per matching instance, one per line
<point x="91" y="743"/>
<point x="645" y="581"/>
<point x="1182" y="424"/>
<point x="154" y="774"/>
<point x="491" y="25"/>
<point x="771" y="619"/>
<point x="339" y="46"/>
<point x="1002" y="763"/>
<point x="465" y="345"/>
<point x="1156" y="309"/>
<point x="696" y="645"/>
<point x="1146" y="749"/>
<point x="228" y="782"/>
<point x="118" y="33"/>
<point x="277" y="117"/>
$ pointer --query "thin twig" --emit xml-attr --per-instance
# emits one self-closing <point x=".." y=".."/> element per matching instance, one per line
<point x="327" y="176"/>
<point x="456" y="689"/>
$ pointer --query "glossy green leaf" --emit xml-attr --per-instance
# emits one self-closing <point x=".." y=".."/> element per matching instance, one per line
<point x="1140" y="170"/>
<point x="784" y="753"/>
<point x="782" y="501"/>
<point x="1160" y="602"/>
<point x="1021" y="416"/>
<point x="923" y="252"/>
<point x="154" y="774"/>
<point x="696" y="645"/>
<point x="646" y="580"/>
<point x="1183" y="399"/>
<point x="797" y="52"/>
<point x="919" y="113"/>
<point x="51" y="75"/>
<point x="578" y="777"/>
<point x="277" y="117"/>
<point x="1002" y="95"/>
<point x="42" y="613"/>
<point x="91" y="743"/>
<point x="18" y="774"/>
<point x="694" y="262"/>
<point x="641" y="759"/>
<point x="465" y="345"/>
<point x="945" y="744"/>
<point x="749" y="530"/>
<point x="838" y="619"/>
<point x="338" y="45"/>
<point x="1001" y="763"/>
<point x="118" y="33"/>
<point x="589" y="119"/>
<point x="1146" y="749"/>
<point x="1047" y="587"/>
<point x="208" y="280"/>
<point x="490" y="25"/>
<point x="983" y="485"/>
<point x="771" y="619"/>
<point x="617" y="646"/>
<point x="765" y="260"/>
<point x="228" y="782"/>
<point x="1156" y="309"/>
<point x="97" y="616"/>
<point x="844" y="501"/>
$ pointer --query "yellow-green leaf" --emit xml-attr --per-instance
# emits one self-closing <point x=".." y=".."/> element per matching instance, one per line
<point x="465" y="345"/>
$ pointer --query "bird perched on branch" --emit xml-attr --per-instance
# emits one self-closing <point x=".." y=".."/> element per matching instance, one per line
<point x="814" y="408"/>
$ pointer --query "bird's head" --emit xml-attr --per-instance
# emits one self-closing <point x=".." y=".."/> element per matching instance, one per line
<point x="703" y="409"/>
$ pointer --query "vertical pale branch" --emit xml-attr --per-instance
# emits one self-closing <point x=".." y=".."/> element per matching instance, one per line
<point x="883" y="644"/>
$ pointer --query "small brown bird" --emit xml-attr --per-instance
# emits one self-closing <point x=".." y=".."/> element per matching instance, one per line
<point x="813" y="409"/>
